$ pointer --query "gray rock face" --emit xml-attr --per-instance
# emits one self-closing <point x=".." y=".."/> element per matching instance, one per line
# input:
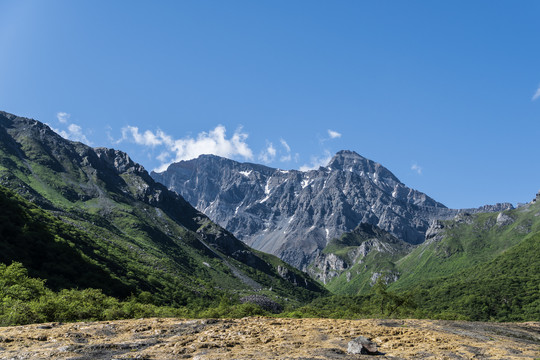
<point x="325" y="267"/>
<point x="356" y="247"/>
<point x="361" y="345"/>
<point x="503" y="219"/>
<point x="293" y="214"/>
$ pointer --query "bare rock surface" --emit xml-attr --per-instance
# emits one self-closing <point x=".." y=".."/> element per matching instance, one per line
<point x="269" y="338"/>
<point x="361" y="345"/>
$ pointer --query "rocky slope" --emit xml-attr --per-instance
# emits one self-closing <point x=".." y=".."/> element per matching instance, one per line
<point x="268" y="338"/>
<point x="469" y="246"/>
<point x="159" y="242"/>
<point x="293" y="214"/>
<point x="352" y="263"/>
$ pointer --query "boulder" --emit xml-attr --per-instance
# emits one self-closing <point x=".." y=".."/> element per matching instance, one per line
<point x="361" y="345"/>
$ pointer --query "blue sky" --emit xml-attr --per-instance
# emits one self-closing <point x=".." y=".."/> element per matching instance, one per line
<point x="444" y="94"/>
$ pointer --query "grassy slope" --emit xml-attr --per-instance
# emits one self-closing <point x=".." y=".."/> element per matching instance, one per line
<point x="475" y="269"/>
<point x="474" y="240"/>
<point x="49" y="247"/>
<point x="145" y="247"/>
<point x="506" y="288"/>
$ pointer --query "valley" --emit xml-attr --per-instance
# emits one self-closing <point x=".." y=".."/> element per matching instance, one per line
<point x="88" y="234"/>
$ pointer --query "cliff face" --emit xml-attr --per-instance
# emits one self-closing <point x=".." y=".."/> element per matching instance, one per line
<point x="293" y="214"/>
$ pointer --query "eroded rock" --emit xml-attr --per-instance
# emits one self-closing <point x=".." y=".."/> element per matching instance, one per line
<point x="361" y="345"/>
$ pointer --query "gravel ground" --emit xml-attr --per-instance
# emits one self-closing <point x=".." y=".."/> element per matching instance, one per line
<point x="269" y="338"/>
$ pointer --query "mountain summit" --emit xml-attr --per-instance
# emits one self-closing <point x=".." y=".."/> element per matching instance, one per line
<point x="293" y="214"/>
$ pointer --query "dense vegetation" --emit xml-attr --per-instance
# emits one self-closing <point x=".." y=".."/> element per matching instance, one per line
<point x="506" y="288"/>
<point x="25" y="300"/>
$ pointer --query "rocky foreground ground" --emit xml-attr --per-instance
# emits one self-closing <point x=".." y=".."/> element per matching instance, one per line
<point x="269" y="338"/>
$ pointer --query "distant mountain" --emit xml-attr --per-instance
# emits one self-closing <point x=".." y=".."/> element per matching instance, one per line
<point x="294" y="214"/>
<point x="119" y="220"/>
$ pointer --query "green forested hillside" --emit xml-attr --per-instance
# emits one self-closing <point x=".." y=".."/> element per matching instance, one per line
<point x="506" y="288"/>
<point x="476" y="267"/>
<point x="54" y="250"/>
<point x="99" y="221"/>
<point x="468" y="241"/>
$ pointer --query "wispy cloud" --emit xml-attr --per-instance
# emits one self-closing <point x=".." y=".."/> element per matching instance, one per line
<point x="63" y="117"/>
<point x="333" y="134"/>
<point x="536" y="94"/>
<point x="269" y="154"/>
<point x="147" y="138"/>
<point x="73" y="131"/>
<point x="317" y="161"/>
<point x="418" y="169"/>
<point x="213" y="142"/>
<point x="287" y="156"/>
<point x="285" y="145"/>
<point x="163" y="157"/>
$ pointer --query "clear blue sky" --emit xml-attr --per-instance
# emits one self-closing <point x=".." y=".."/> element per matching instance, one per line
<point x="443" y="93"/>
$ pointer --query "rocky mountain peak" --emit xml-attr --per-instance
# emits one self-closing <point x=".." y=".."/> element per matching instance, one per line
<point x="350" y="161"/>
<point x="293" y="214"/>
<point x="345" y="158"/>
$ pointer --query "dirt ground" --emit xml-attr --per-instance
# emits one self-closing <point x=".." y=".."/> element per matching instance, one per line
<point x="269" y="338"/>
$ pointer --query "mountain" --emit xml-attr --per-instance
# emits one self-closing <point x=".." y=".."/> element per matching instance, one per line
<point x="352" y="263"/>
<point x="467" y="241"/>
<point x="480" y="267"/>
<point x="101" y="212"/>
<point x="294" y="214"/>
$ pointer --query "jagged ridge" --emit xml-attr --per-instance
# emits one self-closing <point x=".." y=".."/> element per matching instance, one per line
<point x="293" y="214"/>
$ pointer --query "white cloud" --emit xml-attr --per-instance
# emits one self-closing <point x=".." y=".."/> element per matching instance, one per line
<point x="285" y="145"/>
<point x="333" y="134"/>
<point x="287" y="156"/>
<point x="163" y="157"/>
<point x="269" y="154"/>
<point x="417" y="168"/>
<point x="148" y="138"/>
<point x="536" y="94"/>
<point x="63" y="117"/>
<point x="74" y="132"/>
<point x="317" y="162"/>
<point x="212" y="142"/>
